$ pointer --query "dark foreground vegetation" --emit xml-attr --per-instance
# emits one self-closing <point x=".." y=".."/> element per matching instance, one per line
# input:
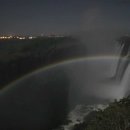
<point x="115" y="117"/>
<point x="19" y="57"/>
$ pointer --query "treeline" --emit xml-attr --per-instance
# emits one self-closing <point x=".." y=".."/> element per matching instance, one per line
<point x="115" y="117"/>
<point x="19" y="57"/>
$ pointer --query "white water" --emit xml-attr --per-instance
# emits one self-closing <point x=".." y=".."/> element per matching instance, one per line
<point x="79" y="113"/>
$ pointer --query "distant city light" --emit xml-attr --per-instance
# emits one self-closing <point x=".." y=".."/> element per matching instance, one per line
<point x="4" y="37"/>
<point x="30" y="37"/>
<point x="14" y="37"/>
<point x="21" y="38"/>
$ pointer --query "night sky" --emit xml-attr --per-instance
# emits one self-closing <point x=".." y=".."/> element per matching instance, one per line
<point x="62" y="16"/>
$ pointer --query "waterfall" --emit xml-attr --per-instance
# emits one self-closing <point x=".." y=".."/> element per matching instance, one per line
<point x="123" y="58"/>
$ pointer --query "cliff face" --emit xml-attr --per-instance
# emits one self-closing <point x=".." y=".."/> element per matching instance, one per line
<point x="18" y="58"/>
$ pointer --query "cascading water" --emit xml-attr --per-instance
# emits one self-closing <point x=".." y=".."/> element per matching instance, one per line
<point x="120" y="81"/>
<point x="124" y="58"/>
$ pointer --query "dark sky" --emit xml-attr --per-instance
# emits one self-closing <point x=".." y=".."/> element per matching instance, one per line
<point x="62" y="16"/>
